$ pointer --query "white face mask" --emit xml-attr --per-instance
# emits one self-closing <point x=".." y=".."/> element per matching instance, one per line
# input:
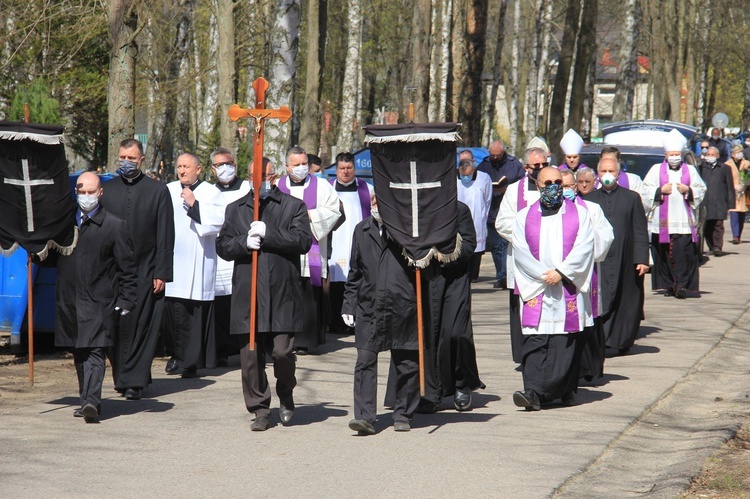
<point x="608" y="179"/>
<point x="226" y="172"/>
<point x="265" y="188"/>
<point x="711" y="159"/>
<point x="675" y="160"/>
<point x="88" y="202"/>
<point x="738" y="156"/>
<point x="300" y="172"/>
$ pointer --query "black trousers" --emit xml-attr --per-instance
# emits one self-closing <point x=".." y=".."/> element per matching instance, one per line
<point x="551" y="363"/>
<point x="676" y="263"/>
<point x="713" y="233"/>
<point x="90" y="365"/>
<point x="405" y="366"/>
<point x="336" y="296"/>
<point x="193" y="334"/>
<point x="255" y="387"/>
<point x="516" y="334"/>
<point x="474" y="265"/>
<point x="226" y="344"/>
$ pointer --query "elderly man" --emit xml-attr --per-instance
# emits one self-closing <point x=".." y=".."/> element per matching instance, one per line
<point x="621" y="272"/>
<point x="718" y="200"/>
<point x="518" y="196"/>
<point x="354" y="194"/>
<point x="231" y="188"/>
<point x="277" y="240"/>
<point x="503" y="170"/>
<point x="475" y="190"/>
<point x="671" y="192"/>
<point x="553" y="261"/>
<point x="586" y="181"/>
<point x="624" y="179"/>
<point x="323" y="210"/>
<point x="96" y="285"/>
<point x="571" y="145"/>
<point x="145" y="205"/>
<point x="198" y="215"/>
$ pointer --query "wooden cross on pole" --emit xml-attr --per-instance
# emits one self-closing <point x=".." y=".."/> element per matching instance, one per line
<point x="259" y="115"/>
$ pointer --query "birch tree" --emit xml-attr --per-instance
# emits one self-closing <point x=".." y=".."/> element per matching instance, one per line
<point x="532" y="85"/>
<point x="489" y="120"/>
<point x="622" y="109"/>
<point x="311" y="110"/>
<point x="514" y="77"/>
<point x="420" y="58"/>
<point x="226" y="72"/>
<point x="351" y="86"/>
<point x="584" y="56"/>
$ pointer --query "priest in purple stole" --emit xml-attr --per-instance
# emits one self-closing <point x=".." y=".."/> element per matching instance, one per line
<point x="553" y="263"/>
<point x="323" y="209"/>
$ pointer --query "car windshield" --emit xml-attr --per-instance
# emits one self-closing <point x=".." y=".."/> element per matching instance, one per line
<point x="638" y="164"/>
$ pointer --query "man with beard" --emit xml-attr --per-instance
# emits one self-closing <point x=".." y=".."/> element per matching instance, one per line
<point x="626" y="262"/>
<point x="503" y="170"/>
<point x="145" y="205"/>
<point x="553" y="260"/>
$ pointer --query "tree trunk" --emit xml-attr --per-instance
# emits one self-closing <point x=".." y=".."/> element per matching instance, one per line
<point x="543" y="76"/>
<point x="207" y="87"/>
<point x="514" y="78"/>
<point x="489" y="122"/>
<point x="532" y="83"/>
<point x="584" y="54"/>
<point x="470" y="112"/>
<point x="420" y="59"/>
<point x="746" y="107"/>
<point x="445" y="68"/>
<point x="351" y="86"/>
<point x="123" y="28"/>
<point x="560" y="90"/>
<point x="309" y="136"/>
<point x="227" y="72"/>
<point x="459" y="59"/>
<point x="588" y="102"/>
<point x="284" y="46"/>
<point x="622" y="110"/>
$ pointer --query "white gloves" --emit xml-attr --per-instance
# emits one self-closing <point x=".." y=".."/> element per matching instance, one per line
<point x="253" y="241"/>
<point x="257" y="229"/>
<point x="348" y="320"/>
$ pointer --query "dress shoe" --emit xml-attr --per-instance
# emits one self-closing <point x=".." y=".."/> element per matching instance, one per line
<point x="401" y="426"/>
<point x="78" y="412"/>
<point x="623" y="351"/>
<point x="527" y="399"/>
<point x="462" y="400"/>
<point x="569" y="399"/>
<point x="717" y="252"/>
<point x="362" y="427"/>
<point x="736" y="240"/>
<point x="172" y="367"/>
<point x="669" y="292"/>
<point x="189" y="373"/>
<point x="680" y="293"/>
<point x="133" y="394"/>
<point x="286" y="411"/>
<point x="90" y="413"/>
<point x="260" y="424"/>
<point x="427" y="406"/>
<point x="222" y="362"/>
<point x="501" y="284"/>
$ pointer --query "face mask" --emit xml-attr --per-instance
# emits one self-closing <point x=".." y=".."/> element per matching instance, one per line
<point x="88" y="202"/>
<point x="300" y="172"/>
<point x="226" y="172"/>
<point x="375" y="214"/>
<point x="704" y="150"/>
<point x="551" y="196"/>
<point x="265" y="188"/>
<point x="738" y="156"/>
<point x="534" y="174"/>
<point x="710" y="160"/>
<point x="569" y="194"/>
<point x="466" y="178"/>
<point x="715" y="137"/>
<point x="320" y="174"/>
<point x="127" y="168"/>
<point x="608" y="179"/>
<point x="674" y="161"/>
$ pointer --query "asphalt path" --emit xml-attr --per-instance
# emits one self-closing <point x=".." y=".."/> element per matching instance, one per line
<point x="643" y="431"/>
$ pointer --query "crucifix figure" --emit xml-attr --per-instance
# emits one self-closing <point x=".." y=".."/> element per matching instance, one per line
<point x="259" y="115"/>
<point x="414" y="186"/>
<point x="27" y="183"/>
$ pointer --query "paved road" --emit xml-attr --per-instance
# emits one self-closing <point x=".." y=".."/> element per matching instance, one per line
<point x="643" y="432"/>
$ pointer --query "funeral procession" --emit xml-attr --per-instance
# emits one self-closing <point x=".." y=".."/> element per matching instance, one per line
<point x="366" y="249"/>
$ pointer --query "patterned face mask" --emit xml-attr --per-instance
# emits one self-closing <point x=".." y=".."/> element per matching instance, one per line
<point x="551" y="196"/>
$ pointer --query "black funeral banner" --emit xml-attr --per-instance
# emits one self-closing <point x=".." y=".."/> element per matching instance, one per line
<point x="414" y="175"/>
<point x="38" y="211"/>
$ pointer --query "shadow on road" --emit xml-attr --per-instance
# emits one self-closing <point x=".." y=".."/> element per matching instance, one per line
<point x="112" y="408"/>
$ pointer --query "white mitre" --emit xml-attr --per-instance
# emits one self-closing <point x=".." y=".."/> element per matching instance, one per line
<point x="673" y="141"/>
<point x="538" y="142"/>
<point x="571" y="143"/>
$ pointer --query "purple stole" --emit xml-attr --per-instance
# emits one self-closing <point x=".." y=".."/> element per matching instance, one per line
<point x="532" y="309"/>
<point x="364" y="196"/>
<point x="310" y="198"/>
<point x="664" y="207"/>
<point x="521" y="201"/>
<point x="594" y="275"/>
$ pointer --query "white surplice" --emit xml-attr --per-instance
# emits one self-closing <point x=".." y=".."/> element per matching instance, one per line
<point x="224" y="269"/>
<point x="341" y="239"/>
<point x="477" y="195"/>
<point x="195" y="243"/>
<point x="678" y="216"/>
<point x="506" y="218"/>
<point x="322" y="218"/>
<point x="577" y="267"/>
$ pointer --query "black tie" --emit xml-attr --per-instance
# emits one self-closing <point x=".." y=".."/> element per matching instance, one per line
<point x="84" y="219"/>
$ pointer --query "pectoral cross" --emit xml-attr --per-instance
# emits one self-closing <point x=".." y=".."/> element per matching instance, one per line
<point x="259" y="115"/>
<point x="27" y="183"/>
<point x="414" y="187"/>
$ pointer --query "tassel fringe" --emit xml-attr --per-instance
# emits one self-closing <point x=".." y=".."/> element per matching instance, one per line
<point x="413" y="137"/>
<point x="63" y="250"/>
<point x="51" y="140"/>
<point x="434" y="253"/>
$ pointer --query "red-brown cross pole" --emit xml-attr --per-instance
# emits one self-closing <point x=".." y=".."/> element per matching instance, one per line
<point x="259" y="115"/>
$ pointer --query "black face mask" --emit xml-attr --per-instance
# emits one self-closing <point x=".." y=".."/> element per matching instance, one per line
<point x="499" y="161"/>
<point x="534" y="174"/>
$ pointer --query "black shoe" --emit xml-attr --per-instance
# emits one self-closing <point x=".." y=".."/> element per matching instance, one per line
<point x="501" y="284"/>
<point x="527" y="399"/>
<point x="462" y="400"/>
<point x="78" y="412"/>
<point x="172" y="367"/>
<point x="133" y="394"/>
<point x="427" y="406"/>
<point x="190" y="373"/>
<point x="90" y="413"/>
<point x="623" y="351"/>
<point x="120" y="390"/>
<point x="669" y="292"/>
<point x="569" y="399"/>
<point x="301" y="351"/>
<point x="717" y="252"/>
<point x="680" y="293"/>
<point x="362" y="427"/>
<point x="401" y="426"/>
<point x="286" y="410"/>
<point x="222" y="362"/>
<point x="260" y="424"/>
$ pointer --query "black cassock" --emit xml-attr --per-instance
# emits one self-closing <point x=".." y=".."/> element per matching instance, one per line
<point x="720" y="195"/>
<point x="145" y="205"/>
<point x="621" y="287"/>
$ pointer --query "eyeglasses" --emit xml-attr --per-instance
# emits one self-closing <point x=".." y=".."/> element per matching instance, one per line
<point x="537" y="166"/>
<point x="219" y="165"/>
<point x="547" y="183"/>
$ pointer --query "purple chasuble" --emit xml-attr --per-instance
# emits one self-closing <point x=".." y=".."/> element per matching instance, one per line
<point x="664" y="207"/>
<point x="310" y="198"/>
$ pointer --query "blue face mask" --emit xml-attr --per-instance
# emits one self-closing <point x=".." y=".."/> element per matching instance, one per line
<point x="467" y="178"/>
<point x="551" y="196"/>
<point x="127" y="168"/>
<point x="569" y="194"/>
<point x="320" y="174"/>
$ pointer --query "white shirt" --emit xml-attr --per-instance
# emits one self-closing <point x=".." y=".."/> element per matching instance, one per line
<point x="195" y="243"/>
<point x="678" y="216"/>
<point x="506" y="218"/>
<point x="224" y="269"/>
<point x="477" y="195"/>
<point x="341" y="240"/>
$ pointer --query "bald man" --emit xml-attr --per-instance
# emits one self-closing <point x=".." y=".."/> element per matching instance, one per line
<point x="95" y="285"/>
